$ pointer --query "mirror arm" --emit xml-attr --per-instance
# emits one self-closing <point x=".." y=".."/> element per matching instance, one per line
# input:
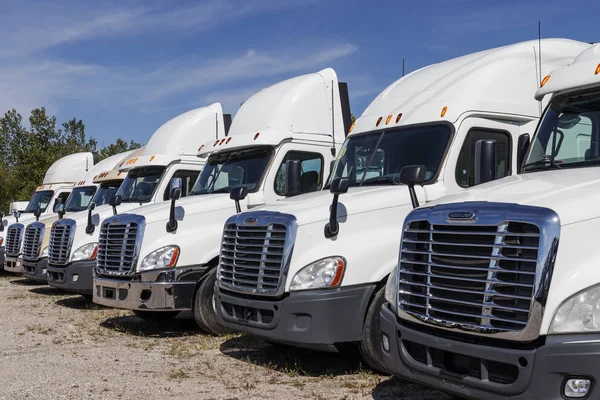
<point x="413" y="196"/>
<point x="333" y="227"/>
<point x="114" y="210"/>
<point x="90" y="228"/>
<point x="172" y="224"/>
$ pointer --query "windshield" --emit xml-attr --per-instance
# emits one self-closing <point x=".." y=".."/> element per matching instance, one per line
<point x="568" y="136"/>
<point x="80" y="198"/>
<point x="39" y="201"/>
<point x="376" y="158"/>
<point x="106" y="191"/>
<point x="140" y="184"/>
<point x="226" y="170"/>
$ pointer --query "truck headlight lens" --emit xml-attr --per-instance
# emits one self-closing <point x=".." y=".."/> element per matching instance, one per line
<point x="44" y="252"/>
<point x="578" y="314"/>
<point x="327" y="272"/>
<point x="86" y="252"/>
<point x="165" y="257"/>
<point x="391" y="289"/>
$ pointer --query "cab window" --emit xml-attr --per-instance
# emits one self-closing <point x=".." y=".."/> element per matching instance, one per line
<point x="188" y="179"/>
<point x="311" y="172"/>
<point x="465" y="165"/>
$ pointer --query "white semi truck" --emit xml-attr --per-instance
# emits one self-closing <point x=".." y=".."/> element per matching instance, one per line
<point x="321" y="283"/>
<point x="58" y="183"/>
<point x="90" y="189"/>
<point x="170" y="153"/>
<point x="174" y="249"/>
<point x="497" y="293"/>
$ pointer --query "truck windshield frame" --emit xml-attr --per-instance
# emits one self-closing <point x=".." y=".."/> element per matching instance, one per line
<point x="76" y="203"/>
<point x="140" y="184"/>
<point x="255" y="159"/>
<point x="106" y="191"/>
<point x="39" y="201"/>
<point x="363" y="159"/>
<point x="568" y="135"/>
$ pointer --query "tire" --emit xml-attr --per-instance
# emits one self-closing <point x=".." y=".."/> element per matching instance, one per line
<point x="370" y="347"/>
<point x="205" y="314"/>
<point x="155" y="316"/>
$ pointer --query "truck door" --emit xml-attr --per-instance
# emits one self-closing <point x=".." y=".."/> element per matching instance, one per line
<point x="460" y="164"/>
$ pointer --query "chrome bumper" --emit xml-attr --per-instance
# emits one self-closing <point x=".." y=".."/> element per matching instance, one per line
<point x="13" y="265"/>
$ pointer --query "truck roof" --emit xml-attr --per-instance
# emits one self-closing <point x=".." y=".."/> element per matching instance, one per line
<point x="113" y="172"/>
<point x="582" y="73"/>
<point x="501" y="80"/>
<point x="69" y="169"/>
<point x="301" y="107"/>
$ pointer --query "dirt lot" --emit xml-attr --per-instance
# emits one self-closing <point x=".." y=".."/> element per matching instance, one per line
<point x="56" y="345"/>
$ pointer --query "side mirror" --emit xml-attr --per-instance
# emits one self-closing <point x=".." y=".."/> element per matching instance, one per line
<point x="413" y="175"/>
<point x="174" y="195"/>
<point x="59" y="207"/>
<point x="338" y="186"/>
<point x="17" y="215"/>
<point x="89" y="229"/>
<point x="485" y="161"/>
<point x="292" y="178"/>
<point x="115" y="202"/>
<point x="175" y="190"/>
<point x="237" y="194"/>
<point x="522" y="148"/>
<point x="37" y="214"/>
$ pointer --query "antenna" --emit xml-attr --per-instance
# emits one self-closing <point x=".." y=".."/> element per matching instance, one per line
<point x="332" y="120"/>
<point x="403" y="67"/>
<point x="540" y="58"/>
<point x="217" y="126"/>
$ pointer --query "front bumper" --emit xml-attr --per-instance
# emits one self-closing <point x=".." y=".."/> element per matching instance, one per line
<point x="76" y="277"/>
<point x="486" y="372"/>
<point x="13" y="265"/>
<point x="36" y="270"/>
<point x="171" y="290"/>
<point x="309" y="317"/>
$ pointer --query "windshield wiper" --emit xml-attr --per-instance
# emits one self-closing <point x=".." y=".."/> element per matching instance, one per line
<point x="546" y="159"/>
<point x="380" y="180"/>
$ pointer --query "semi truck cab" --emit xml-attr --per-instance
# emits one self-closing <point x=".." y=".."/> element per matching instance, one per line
<point x="336" y="250"/>
<point x="496" y="291"/>
<point x="170" y="153"/>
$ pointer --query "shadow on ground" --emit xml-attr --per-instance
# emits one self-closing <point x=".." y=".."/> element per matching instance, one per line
<point x="132" y="325"/>
<point x="49" y="291"/>
<point x="22" y="281"/>
<point x="394" y="388"/>
<point x="293" y="360"/>
<point x="80" y="303"/>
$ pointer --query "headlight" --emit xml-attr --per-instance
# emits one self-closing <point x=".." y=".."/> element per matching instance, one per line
<point x="327" y="272"/>
<point x="85" y="252"/>
<point x="44" y="252"/>
<point x="165" y="257"/>
<point x="391" y="289"/>
<point x="579" y="314"/>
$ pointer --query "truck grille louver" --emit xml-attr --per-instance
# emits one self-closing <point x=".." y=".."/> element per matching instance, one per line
<point x="118" y="244"/>
<point x="254" y="256"/>
<point x="476" y="276"/>
<point x="32" y="241"/>
<point x="14" y="235"/>
<point x="61" y="239"/>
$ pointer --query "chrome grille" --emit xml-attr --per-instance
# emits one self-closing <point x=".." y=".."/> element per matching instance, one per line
<point x="61" y="239"/>
<point x="14" y="235"/>
<point x="478" y="267"/>
<point x="255" y="249"/>
<point x="32" y="240"/>
<point x="119" y="243"/>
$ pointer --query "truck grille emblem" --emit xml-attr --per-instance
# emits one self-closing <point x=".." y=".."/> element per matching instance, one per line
<point x="463" y="215"/>
<point x="250" y="221"/>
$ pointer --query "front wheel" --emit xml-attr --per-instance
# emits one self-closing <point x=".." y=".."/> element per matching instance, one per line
<point x="370" y="347"/>
<point x="156" y="316"/>
<point x="205" y="312"/>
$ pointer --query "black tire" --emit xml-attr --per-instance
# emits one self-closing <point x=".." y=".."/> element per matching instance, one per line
<point x="370" y="347"/>
<point x="205" y="314"/>
<point x="156" y="316"/>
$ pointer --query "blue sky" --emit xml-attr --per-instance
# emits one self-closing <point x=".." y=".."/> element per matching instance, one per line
<point x="126" y="67"/>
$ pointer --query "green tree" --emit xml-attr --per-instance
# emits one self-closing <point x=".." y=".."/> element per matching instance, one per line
<point x="119" y="146"/>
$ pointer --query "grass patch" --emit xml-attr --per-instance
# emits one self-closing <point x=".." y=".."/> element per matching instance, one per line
<point x="177" y="375"/>
<point x="42" y="330"/>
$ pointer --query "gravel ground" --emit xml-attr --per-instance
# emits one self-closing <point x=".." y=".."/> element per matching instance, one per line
<point x="61" y="346"/>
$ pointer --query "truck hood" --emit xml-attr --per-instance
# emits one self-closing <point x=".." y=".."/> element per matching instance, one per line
<point x="185" y="207"/>
<point x="574" y="194"/>
<point x="314" y="207"/>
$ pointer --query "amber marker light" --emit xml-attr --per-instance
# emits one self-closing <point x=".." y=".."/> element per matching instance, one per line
<point x="378" y="121"/>
<point x="547" y="78"/>
<point x="444" y="110"/>
<point x="388" y="119"/>
<point x="398" y="117"/>
<point x="257" y="135"/>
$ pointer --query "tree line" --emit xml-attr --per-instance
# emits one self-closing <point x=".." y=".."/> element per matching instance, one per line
<point x="26" y="152"/>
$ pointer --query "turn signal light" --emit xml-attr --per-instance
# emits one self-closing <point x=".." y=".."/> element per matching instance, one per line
<point x="547" y="78"/>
